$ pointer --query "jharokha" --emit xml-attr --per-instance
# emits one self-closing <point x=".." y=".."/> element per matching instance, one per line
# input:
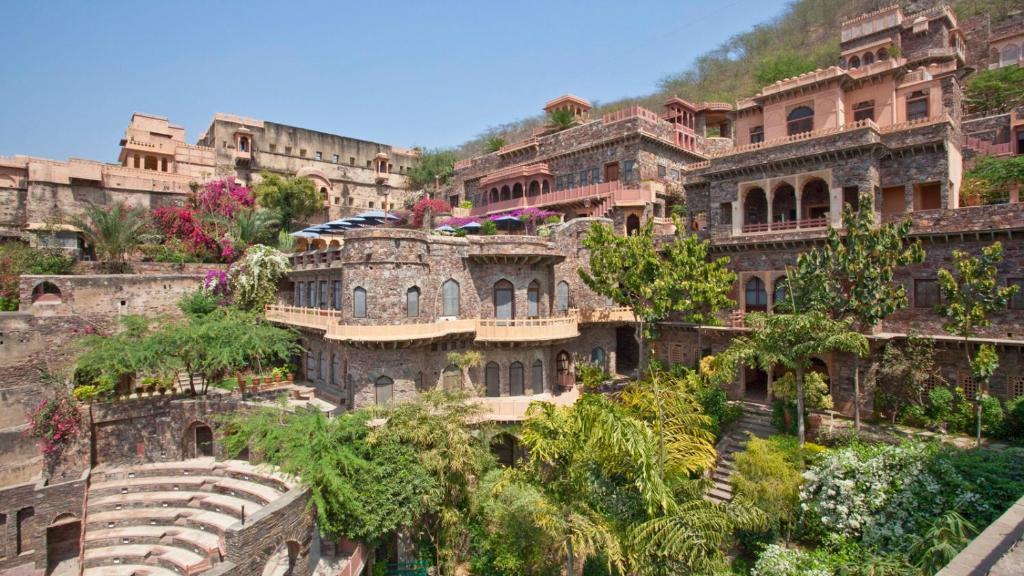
<point x="145" y="488"/>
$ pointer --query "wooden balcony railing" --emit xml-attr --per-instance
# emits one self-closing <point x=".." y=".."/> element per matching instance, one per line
<point x="513" y="408"/>
<point x="399" y="332"/>
<point x="528" y="329"/>
<point x="315" y="318"/>
<point x="804" y="224"/>
<point x="610" y="314"/>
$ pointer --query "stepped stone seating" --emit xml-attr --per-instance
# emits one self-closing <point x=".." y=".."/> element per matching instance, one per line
<point x="169" y="518"/>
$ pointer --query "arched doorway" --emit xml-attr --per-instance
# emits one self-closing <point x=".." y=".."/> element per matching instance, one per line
<point x="814" y="201"/>
<point x="506" y="193"/>
<point x="784" y="205"/>
<point x="516" y="385"/>
<point x="46" y="293"/>
<point x="755" y="210"/>
<point x="564" y="376"/>
<point x="755" y="296"/>
<point x="755" y="384"/>
<point x="506" y="450"/>
<point x="383" y="390"/>
<point x="492" y="379"/>
<point x="537" y="376"/>
<point x="533" y="300"/>
<point x="63" y="544"/>
<point x="283" y="561"/>
<point x="517" y="190"/>
<point x="504" y="301"/>
<point x="632" y="224"/>
<point x="198" y="441"/>
<point x="534" y="189"/>
<point x="451" y="378"/>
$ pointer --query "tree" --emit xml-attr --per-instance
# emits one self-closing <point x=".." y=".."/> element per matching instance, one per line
<point x="495" y="143"/>
<point x="968" y="295"/>
<point x="464" y="361"/>
<point x="359" y="489"/>
<point x="561" y="119"/>
<point x="444" y="431"/>
<point x="783" y="65"/>
<point x="112" y="231"/>
<point x="853" y="275"/>
<point x="792" y="341"/>
<point x="435" y="166"/>
<point x="292" y="199"/>
<point x="677" y="279"/>
<point x="995" y="91"/>
<point x="216" y="344"/>
<point x="905" y="372"/>
<point x="248" y="227"/>
<point x="254" y="278"/>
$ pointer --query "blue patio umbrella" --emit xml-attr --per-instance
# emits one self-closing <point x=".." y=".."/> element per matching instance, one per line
<point x="445" y="228"/>
<point x="470" y="226"/>
<point x="304" y="234"/>
<point x="507" y="222"/>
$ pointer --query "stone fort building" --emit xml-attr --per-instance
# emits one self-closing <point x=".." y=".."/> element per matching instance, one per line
<point x="385" y="312"/>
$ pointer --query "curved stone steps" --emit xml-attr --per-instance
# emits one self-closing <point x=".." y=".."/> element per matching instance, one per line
<point x="129" y="570"/>
<point x="246" y="490"/>
<point x="206" y="500"/>
<point x="206" y="466"/>
<point x="178" y="560"/>
<point x="196" y="541"/>
<point x="196" y="518"/>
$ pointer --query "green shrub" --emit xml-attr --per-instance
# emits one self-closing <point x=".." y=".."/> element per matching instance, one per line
<point x="768" y="473"/>
<point x="1013" y="423"/>
<point x="199" y="303"/>
<point x="50" y="261"/>
<point x="488" y="228"/>
<point x="991" y="416"/>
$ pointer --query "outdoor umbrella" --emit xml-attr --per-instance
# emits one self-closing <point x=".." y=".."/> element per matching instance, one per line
<point x="378" y="215"/>
<point x="507" y="222"/>
<point x="445" y="228"/>
<point x="471" y="227"/>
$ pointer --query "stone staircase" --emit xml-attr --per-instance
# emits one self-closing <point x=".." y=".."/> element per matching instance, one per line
<point x="756" y="420"/>
<point x="169" y="518"/>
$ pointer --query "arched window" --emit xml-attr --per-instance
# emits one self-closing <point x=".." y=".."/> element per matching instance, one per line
<point x="534" y="189"/>
<point x="504" y="300"/>
<point x="869" y="58"/>
<point x="883" y="54"/>
<point x="515" y="379"/>
<point x="450" y="298"/>
<point x="537" y="377"/>
<point x="243" y="144"/>
<point x="492" y="379"/>
<point x="854" y="62"/>
<point x="359" y="303"/>
<point x="800" y="119"/>
<point x="597" y="356"/>
<point x="384" y="390"/>
<point x="494" y="194"/>
<point x="310" y="365"/>
<point x="562" y="297"/>
<point x="756" y="296"/>
<point x="46" y="293"/>
<point x="517" y="190"/>
<point x="545" y="187"/>
<point x="451" y="379"/>
<point x="563" y="369"/>
<point x="412" y="302"/>
<point x="632" y="224"/>
<point x="533" y="300"/>
<point x="320" y="365"/>
<point x="506" y="193"/>
<point x="334" y="370"/>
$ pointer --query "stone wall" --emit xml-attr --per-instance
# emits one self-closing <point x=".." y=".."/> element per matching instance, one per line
<point x="287" y="519"/>
<point x="32" y="507"/>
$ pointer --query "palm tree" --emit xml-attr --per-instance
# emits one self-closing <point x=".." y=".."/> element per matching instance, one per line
<point x="561" y="119"/>
<point x="112" y="232"/>
<point x="792" y="341"/>
<point x="248" y="227"/>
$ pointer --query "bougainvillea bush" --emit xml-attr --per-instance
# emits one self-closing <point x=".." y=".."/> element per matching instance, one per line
<point x="202" y="224"/>
<point x="436" y="207"/>
<point x="253" y="279"/>
<point x="54" y="422"/>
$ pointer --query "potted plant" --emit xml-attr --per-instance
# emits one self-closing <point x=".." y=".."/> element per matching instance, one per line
<point x="267" y="379"/>
<point x="277" y="374"/>
<point x="291" y="376"/>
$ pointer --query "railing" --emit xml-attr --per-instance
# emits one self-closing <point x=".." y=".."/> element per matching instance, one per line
<point x="616" y="189"/>
<point x="631" y="112"/>
<point x="513" y="408"/>
<point x="316" y="318"/>
<point x="539" y="169"/>
<point x="803" y="224"/>
<point x="399" y="332"/>
<point x="797" y="138"/>
<point x="516" y="146"/>
<point x="611" y="314"/>
<point x="987" y="148"/>
<point x="462" y="164"/>
<point x="527" y="329"/>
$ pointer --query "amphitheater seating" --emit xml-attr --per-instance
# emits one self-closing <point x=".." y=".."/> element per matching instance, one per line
<point x="169" y="518"/>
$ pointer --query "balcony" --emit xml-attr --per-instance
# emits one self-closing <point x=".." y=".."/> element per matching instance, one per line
<point x="804" y="224"/>
<point x="314" y="318"/>
<point x="513" y="408"/>
<point x="593" y="194"/>
<point x="399" y="332"/>
<point x="612" y="315"/>
<point x="528" y="329"/>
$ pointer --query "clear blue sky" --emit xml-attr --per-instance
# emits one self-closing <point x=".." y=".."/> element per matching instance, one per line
<point x="427" y="72"/>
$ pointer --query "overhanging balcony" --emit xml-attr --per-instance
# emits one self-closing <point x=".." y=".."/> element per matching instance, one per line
<point x="513" y="408"/>
<point x="313" y="318"/>
<point x="528" y="329"/>
<point x="400" y="332"/>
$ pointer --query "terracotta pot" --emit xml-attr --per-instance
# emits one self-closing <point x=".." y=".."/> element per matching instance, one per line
<point x="277" y="377"/>
<point x="268" y="379"/>
<point x="291" y="377"/>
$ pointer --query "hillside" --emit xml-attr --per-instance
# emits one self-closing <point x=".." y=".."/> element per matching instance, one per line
<point x="803" y="38"/>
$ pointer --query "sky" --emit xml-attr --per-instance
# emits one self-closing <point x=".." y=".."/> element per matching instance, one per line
<point x="431" y="73"/>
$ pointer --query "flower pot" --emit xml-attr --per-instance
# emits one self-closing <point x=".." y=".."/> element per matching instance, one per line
<point x="291" y="377"/>
<point x="268" y="379"/>
<point x="277" y="377"/>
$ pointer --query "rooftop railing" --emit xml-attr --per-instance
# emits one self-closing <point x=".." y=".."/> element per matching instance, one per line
<point x="528" y="329"/>
<point x="513" y="408"/>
